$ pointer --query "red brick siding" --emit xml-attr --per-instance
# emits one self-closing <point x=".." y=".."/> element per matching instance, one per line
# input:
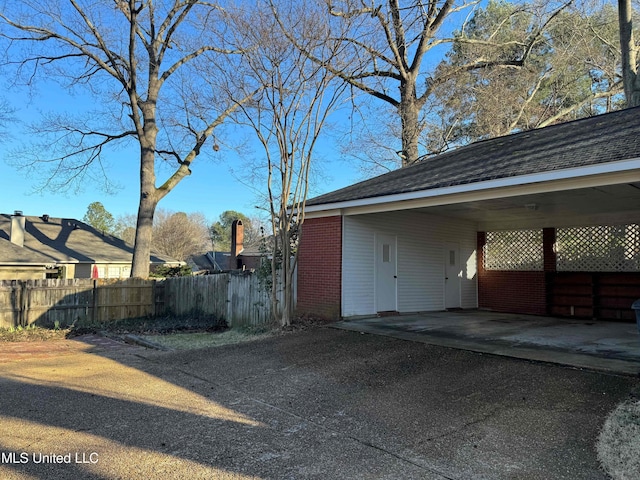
<point x="515" y="292"/>
<point x="320" y="267"/>
<point x="510" y="291"/>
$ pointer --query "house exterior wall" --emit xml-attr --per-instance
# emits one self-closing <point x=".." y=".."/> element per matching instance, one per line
<point x="22" y="273"/>
<point x="421" y="240"/>
<point x="70" y="270"/>
<point x="319" y="267"/>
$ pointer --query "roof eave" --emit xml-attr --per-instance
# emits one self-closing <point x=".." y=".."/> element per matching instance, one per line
<point x="624" y="171"/>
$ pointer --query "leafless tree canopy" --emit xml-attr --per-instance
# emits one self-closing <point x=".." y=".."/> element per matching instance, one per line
<point x="295" y="96"/>
<point x="180" y="235"/>
<point x="153" y="68"/>
<point x="383" y="49"/>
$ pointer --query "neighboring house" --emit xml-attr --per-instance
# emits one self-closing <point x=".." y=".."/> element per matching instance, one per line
<point x="17" y="263"/>
<point x="241" y="256"/>
<point x="542" y="222"/>
<point x="46" y="247"/>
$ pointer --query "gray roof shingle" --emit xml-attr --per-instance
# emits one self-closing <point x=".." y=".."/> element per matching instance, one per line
<point x="65" y="240"/>
<point x="590" y="141"/>
<point x="11" y="254"/>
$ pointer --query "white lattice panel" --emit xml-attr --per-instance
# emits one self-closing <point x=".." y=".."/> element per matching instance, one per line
<point x="598" y="249"/>
<point x="514" y="250"/>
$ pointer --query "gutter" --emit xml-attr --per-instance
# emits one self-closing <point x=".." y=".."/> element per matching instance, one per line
<point x="566" y="179"/>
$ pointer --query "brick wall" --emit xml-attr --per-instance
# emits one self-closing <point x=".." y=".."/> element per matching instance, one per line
<point x="515" y="292"/>
<point x="320" y="267"/>
<point x="510" y="291"/>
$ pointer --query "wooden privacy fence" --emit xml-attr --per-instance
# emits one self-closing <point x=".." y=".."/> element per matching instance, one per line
<point x="234" y="299"/>
<point x="238" y="299"/>
<point x="71" y="301"/>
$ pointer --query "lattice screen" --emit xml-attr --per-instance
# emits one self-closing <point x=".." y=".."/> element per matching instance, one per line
<point x="598" y="249"/>
<point x="513" y="250"/>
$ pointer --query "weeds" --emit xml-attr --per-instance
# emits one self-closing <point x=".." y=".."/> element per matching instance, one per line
<point x="195" y="340"/>
<point x="31" y="333"/>
<point x="618" y="444"/>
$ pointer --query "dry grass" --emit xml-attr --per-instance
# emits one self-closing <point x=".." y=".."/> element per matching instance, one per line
<point x="619" y="442"/>
<point x="190" y="341"/>
<point x="31" y="334"/>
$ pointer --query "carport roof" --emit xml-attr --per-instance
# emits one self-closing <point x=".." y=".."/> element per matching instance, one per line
<point x="588" y="142"/>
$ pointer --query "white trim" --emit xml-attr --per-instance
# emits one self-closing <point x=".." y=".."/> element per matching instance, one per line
<point x="566" y="179"/>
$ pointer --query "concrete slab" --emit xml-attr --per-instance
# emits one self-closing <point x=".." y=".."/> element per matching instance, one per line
<point x="605" y="346"/>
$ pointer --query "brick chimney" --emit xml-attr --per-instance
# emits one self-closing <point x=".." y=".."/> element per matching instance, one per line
<point x="237" y="240"/>
<point x="18" y="223"/>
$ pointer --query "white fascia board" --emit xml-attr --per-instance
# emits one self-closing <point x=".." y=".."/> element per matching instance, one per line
<point x="624" y="171"/>
<point x="27" y="264"/>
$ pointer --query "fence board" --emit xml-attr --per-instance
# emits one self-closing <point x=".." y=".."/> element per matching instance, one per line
<point x="249" y="303"/>
<point x="237" y="299"/>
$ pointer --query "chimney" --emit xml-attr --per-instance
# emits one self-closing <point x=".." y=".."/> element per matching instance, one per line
<point x="237" y="240"/>
<point x="17" y="228"/>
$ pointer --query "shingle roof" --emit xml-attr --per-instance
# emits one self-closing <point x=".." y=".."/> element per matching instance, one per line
<point x="65" y="240"/>
<point x="11" y="254"/>
<point x="590" y="141"/>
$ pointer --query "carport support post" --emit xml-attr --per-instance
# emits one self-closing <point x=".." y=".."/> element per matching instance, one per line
<point x="480" y="242"/>
<point x="549" y="262"/>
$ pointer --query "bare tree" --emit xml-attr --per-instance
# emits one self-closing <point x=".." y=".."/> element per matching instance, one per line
<point x="295" y="97"/>
<point x="629" y="54"/>
<point x="125" y="227"/>
<point x="7" y="117"/>
<point x="383" y="49"/>
<point x="180" y="235"/>
<point x="151" y="65"/>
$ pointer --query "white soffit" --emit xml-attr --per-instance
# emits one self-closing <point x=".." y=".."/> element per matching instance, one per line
<point x="625" y="171"/>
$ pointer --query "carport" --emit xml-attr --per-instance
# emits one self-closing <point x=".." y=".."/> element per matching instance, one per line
<point x="545" y="222"/>
<point x="606" y="346"/>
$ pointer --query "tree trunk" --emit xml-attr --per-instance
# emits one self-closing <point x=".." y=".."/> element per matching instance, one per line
<point x="144" y="236"/>
<point x="148" y="197"/>
<point x="410" y="118"/>
<point x="282" y="310"/>
<point x="285" y="319"/>
<point x="630" y="78"/>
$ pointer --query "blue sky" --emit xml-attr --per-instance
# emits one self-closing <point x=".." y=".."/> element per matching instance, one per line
<point x="211" y="189"/>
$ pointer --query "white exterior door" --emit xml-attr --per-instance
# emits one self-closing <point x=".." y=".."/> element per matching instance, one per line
<point x="386" y="273"/>
<point x="452" y="275"/>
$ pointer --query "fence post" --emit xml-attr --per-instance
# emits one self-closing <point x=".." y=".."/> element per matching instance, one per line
<point x="16" y="302"/>
<point x="94" y="302"/>
<point x="154" y="300"/>
<point x="23" y="316"/>
<point x="229" y="297"/>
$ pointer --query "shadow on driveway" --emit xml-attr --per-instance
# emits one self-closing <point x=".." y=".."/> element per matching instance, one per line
<point x="321" y="403"/>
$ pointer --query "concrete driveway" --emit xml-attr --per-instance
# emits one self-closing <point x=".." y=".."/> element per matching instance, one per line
<point x="321" y="403"/>
<point x="598" y="345"/>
